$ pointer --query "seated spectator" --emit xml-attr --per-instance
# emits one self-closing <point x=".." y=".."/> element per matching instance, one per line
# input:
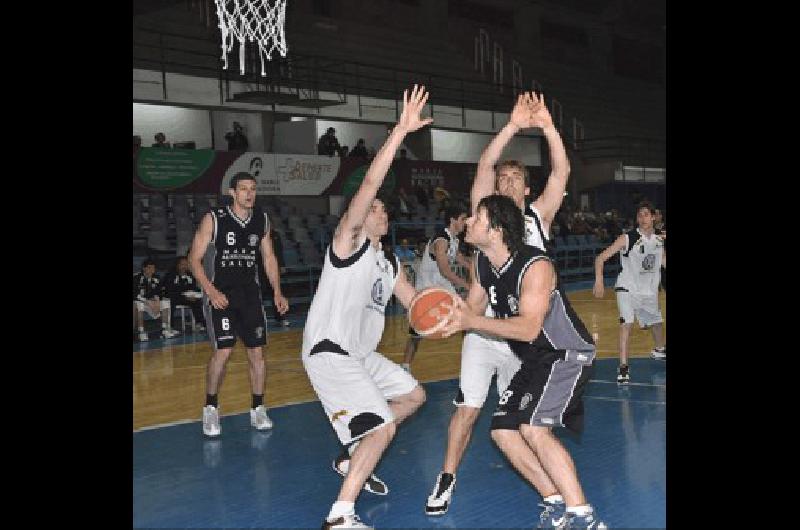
<point x="147" y="296"/>
<point x="328" y="143"/>
<point x="360" y="150"/>
<point x="182" y="289"/>
<point x="161" y="140"/>
<point x="237" y="141"/>
<point x="404" y="206"/>
<point x="422" y="197"/>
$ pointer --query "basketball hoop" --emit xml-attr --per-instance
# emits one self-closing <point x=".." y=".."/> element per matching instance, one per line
<point x="259" y="21"/>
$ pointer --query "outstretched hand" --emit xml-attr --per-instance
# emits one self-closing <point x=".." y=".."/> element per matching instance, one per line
<point x="410" y="119"/>
<point x="521" y="114"/>
<point x="540" y="116"/>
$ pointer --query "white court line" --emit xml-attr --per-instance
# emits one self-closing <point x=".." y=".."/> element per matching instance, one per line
<point x="626" y="384"/>
<point x="626" y="399"/>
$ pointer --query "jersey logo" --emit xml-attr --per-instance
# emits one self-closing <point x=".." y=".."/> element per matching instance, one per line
<point x="253" y="240"/>
<point x="377" y="291"/>
<point x="513" y="305"/>
<point x="259" y="332"/>
<point x="648" y="262"/>
<point x="337" y="415"/>
<point x="525" y="401"/>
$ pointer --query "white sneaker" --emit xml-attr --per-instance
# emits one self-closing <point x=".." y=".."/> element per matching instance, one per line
<point x="211" y="421"/>
<point x="659" y="354"/>
<point x="285" y="323"/>
<point x="345" y="521"/>
<point x="199" y="327"/>
<point x="439" y="499"/>
<point x="259" y="418"/>
<point x="169" y="333"/>
<point x="143" y="336"/>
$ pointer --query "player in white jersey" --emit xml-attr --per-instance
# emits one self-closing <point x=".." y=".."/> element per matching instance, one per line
<point x="482" y="355"/>
<point x="435" y="268"/>
<point x="641" y="254"/>
<point x="364" y="395"/>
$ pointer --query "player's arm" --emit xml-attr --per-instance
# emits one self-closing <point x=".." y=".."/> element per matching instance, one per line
<point x="352" y="220"/>
<point x="664" y="258"/>
<point x="273" y="272"/>
<point x="484" y="183"/>
<point x="550" y="200"/>
<point x="403" y="289"/>
<point x="537" y="284"/>
<point x="440" y="253"/>
<point x="598" y="290"/>
<point x="202" y="238"/>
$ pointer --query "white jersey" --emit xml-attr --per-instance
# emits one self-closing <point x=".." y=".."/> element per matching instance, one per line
<point x="641" y="263"/>
<point x="535" y="235"/>
<point x="428" y="274"/>
<point x="348" y="308"/>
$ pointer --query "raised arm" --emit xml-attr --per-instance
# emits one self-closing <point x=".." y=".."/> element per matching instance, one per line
<point x="550" y="200"/>
<point x="520" y="118"/>
<point x="599" y="289"/>
<point x="352" y="220"/>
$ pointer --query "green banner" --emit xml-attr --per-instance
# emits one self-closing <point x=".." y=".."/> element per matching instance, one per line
<point x="356" y="177"/>
<point x="172" y="168"/>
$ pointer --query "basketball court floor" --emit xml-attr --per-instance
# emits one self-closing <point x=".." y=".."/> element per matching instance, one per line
<point x="283" y="478"/>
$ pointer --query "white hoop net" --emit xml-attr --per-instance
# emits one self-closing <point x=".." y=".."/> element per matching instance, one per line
<point x="259" y="21"/>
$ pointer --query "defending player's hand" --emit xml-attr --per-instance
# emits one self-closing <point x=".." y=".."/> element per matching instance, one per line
<point x="598" y="290"/>
<point x="218" y="300"/>
<point x="540" y="116"/>
<point x="521" y="114"/>
<point x="410" y="119"/>
<point x="281" y="303"/>
<point x="460" y="318"/>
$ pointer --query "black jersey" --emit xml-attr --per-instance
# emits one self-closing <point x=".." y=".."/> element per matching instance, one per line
<point x="563" y="334"/>
<point x="231" y="258"/>
<point x="145" y="288"/>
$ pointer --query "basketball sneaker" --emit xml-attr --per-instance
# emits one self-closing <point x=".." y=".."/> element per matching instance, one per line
<point x="440" y="498"/>
<point x="553" y="515"/>
<point x="143" y="336"/>
<point x="373" y="484"/>
<point x="623" y="376"/>
<point x="168" y="333"/>
<point x="585" y="522"/>
<point x="345" y="521"/>
<point x="659" y="353"/>
<point x="259" y="418"/>
<point x="211" y="420"/>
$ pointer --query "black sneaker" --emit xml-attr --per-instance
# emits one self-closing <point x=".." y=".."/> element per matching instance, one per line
<point x="623" y="376"/>
<point x="341" y="464"/>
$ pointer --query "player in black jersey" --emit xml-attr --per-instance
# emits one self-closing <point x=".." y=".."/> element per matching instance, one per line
<point x="227" y="240"/>
<point x="557" y="352"/>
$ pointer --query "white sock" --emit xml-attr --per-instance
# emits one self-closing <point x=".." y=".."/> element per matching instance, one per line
<point x="553" y="499"/>
<point x="341" y="508"/>
<point x="580" y="511"/>
<point x="141" y="329"/>
<point x="352" y="447"/>
<point x="163" y="325"/>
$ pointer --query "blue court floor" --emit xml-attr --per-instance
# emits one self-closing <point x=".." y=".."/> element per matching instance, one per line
<point x="283" y="478"/>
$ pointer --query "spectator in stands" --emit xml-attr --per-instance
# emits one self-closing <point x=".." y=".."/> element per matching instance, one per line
<point x="182" y="289"/>
<point x="328" y="143"/>
<point x="148" y="296"/>
<point x="161" y="140"/>
<point x="404" y="205"/>
<point x="422" y="197"/>
<point x="237" y="141"/>
<point x="360" y="150"/>
<point x="266" y="286"/>
<point x="580" y="226"/>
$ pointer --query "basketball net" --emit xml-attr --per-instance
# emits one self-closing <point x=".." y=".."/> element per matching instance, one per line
<point x="259" y="21"/>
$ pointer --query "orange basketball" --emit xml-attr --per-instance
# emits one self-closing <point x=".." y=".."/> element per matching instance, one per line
<point x="426" y="307"/>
